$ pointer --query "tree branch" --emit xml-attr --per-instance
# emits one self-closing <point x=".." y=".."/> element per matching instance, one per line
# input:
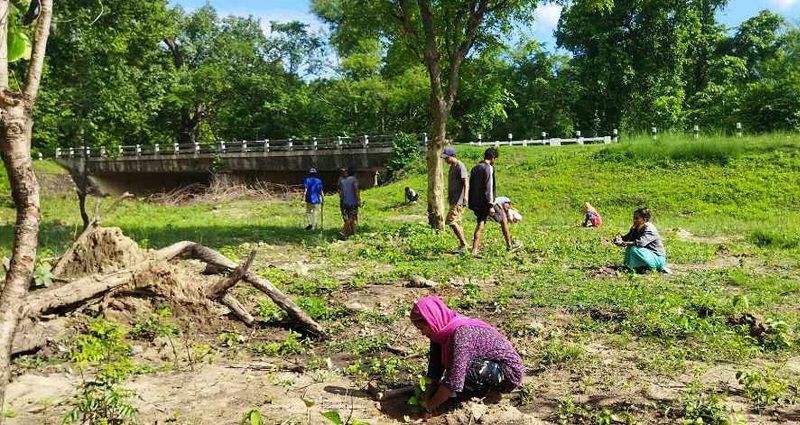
<point x="475" y="19"/>
<point x="34" y="76"/>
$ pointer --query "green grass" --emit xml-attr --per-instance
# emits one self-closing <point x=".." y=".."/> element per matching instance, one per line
<point x="738" y="196"/>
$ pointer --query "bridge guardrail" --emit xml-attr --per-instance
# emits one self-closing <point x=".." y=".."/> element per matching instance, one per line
<point x="287" y="145"/>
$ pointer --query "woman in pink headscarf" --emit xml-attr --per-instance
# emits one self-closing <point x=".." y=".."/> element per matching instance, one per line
<point x="467" y="355"/>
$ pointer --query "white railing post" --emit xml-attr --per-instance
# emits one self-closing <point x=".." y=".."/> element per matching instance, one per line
<point x="555" y="142"/>
<point x="579" y="136"/>
<point x="739" y="129"/>
<point x="696" y="130"/>
<point x="497" y="143"/>
<point x="654" y="131"/>
<point x="71" y="152"/>
<point x="102" y="151"/>
<point x="480" y="140"/>
<point x="222" y="146"/>
<point x="606" y="140"/>
<point x="266" y="145"/>
<point x="425" y="140"/>
<point x="58" y="153"/>
<point x="338" y="142"/>
<point x="176" y="149"/>
<point x="41" y="157"/>
<point x="365" y="142"/>
<point x="87" y="152"/>
<point x="615" y="137"/>
<point x="315" y="142"/>
<point x="544" y="137"/>
<point x="291" y="144"/>
<point x="157" y="149"/>
<point x="138" y="150"/>
<point x="510" y="139"/>
<point x="196" y="148"/>
<point x="119" y="150"/>
<point x="244" y="146"/>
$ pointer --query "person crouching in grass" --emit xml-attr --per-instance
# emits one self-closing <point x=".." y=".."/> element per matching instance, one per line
<point x="644" y="250"/>
<point x="467" y="357"/>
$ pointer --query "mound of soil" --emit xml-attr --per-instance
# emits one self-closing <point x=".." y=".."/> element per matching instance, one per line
<point x="104" y="250"/>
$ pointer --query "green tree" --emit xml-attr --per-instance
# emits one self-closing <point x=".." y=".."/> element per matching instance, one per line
<point x="112" y="75"/>
<point x="440" y="35"/>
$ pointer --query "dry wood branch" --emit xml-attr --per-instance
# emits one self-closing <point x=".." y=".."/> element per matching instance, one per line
<point x="221" y="287"/>
<point x="210" y="256"/>
<point x="237" y="309"/>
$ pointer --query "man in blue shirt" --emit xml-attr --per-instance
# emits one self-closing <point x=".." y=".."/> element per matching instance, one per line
<point x="314" y="196"/>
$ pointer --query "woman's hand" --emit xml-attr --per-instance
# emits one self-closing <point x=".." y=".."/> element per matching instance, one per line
<point x="618" y="241"/>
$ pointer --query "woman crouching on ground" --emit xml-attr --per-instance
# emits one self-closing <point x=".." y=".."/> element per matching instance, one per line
<point x="644" y="251"/>
<point x="467" y="356"/>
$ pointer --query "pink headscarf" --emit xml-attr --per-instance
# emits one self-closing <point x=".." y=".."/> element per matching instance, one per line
<point x="443" y="322"/>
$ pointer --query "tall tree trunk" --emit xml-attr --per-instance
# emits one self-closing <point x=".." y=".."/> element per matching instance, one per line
<point x="435" y="178"/>
<point x="16" y="123"/>
<point x="15" y="139"/>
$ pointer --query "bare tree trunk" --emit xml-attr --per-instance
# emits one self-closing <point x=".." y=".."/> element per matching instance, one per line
<point x="435" y="178"/>
<point x="16" y="123"/>
<point x="83" y="189"/>
<point x="15" y="139"/>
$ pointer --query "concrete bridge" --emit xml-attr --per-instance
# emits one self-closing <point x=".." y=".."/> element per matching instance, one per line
<point x="157" y="168"/>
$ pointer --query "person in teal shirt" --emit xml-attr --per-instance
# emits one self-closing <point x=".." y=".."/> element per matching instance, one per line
<point x="644" y="249"/>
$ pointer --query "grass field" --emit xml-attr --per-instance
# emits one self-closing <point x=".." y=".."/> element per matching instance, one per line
<point x="729" y="210"/>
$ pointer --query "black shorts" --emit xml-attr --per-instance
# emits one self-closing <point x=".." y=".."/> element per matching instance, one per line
<point x="350" y="211"/>
<point x="481" y="214"/>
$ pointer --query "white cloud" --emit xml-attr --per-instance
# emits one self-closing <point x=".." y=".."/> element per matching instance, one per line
<point x="547" y="17"/>
<point x="784" y="4"/>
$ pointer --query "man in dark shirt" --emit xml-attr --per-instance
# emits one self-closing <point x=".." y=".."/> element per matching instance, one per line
<point x="456" y="196"/>
<point x="481" y="198"/>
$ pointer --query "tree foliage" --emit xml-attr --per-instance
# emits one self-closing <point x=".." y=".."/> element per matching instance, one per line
<point x="136" y="72"/>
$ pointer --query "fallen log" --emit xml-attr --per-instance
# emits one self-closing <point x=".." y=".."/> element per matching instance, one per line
<point x="210" y="256"/>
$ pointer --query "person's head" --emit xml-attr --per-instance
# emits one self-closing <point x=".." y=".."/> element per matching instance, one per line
<point x="641" y="216"/>
<point x="431" y="315"/>
<point x="490" y="155"/>
<point x="449" y="155"/>
<point x="351" y="171"/>
<point x="343" y="172"/>
<point x="312" y="171"/>
<point x="587" y="207"/>
<point x="504" y="201"/>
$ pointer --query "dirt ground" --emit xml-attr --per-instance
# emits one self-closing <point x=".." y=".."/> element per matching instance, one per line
<point x="221" y="387"/>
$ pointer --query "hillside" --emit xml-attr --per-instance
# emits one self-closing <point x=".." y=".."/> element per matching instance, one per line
<point x="597" y="343"/>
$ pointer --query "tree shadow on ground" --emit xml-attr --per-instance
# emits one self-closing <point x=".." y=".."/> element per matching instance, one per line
<point x="56" y="237"/>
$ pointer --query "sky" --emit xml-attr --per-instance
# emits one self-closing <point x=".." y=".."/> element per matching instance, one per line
<point x="541" y="29"/>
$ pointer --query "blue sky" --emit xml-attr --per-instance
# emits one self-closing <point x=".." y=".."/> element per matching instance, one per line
<point x="542" y="29"/>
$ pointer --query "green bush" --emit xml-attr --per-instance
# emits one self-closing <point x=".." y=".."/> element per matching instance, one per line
<point x="405" y="151"/>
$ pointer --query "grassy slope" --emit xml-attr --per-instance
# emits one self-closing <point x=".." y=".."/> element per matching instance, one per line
<point x="743" y="192"/>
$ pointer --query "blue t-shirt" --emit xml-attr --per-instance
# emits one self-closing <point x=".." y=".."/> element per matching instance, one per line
<point x="313" y="186"/>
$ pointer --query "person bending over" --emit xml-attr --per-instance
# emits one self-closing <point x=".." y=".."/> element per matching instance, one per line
<point x="467" y="356"/>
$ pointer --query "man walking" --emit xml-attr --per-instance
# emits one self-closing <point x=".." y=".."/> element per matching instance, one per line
<point x="350" y="199"/>
<point x="314" y="195"/>
<point x="456" y="196"/>
<point x="482" y="192"/>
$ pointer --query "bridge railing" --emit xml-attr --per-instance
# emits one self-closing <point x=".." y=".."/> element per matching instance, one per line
<point x="232" y="147"/>
<point x="249" y="147"/>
